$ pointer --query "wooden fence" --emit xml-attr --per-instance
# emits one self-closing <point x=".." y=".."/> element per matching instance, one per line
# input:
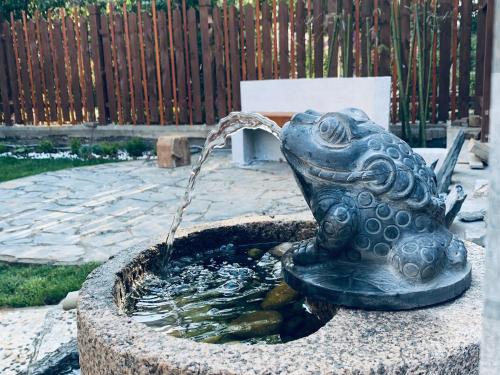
<point x="185" y="65"/>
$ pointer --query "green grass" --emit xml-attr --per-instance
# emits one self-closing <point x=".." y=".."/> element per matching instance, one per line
<point x="11" y="168"/>
<point x="23" y="285"/>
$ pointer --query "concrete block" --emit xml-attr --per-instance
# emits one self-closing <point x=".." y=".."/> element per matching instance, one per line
<point x="173" y="151"/>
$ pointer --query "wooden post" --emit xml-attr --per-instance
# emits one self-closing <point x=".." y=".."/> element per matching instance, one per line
<point x="172" y="60"/>
<point x="366" y="16"/>
<point x="481" y="31"/>
<point x="318" y="37"/>
<point x="207" y="62"/>
<point x="114" y="58"/>
<point x="385" y="38"/>
<point x="490" y="339"/>
<point x="444" y="12"/>
<point x="157" y="61"/>
<point x="259" y="42"/>
<point x="465" y="57"/>
<point x="454" y="47"/>
<point x="488" y="55"/>
<point x="228" y="61"/>
<point x="283" y="47"/>
<point x="357" y="42"/>
<point x="292" y="40"/>
<point x="275" y="41"/>
<point x="186" y="59"/>
<point x="129" y="63"/>
<point x="375" y="31"/>
<point x="15" y="44"/>
<point x="242" y="41"/>
<point x="143" y="63"/>
<point x="30" y="70"/>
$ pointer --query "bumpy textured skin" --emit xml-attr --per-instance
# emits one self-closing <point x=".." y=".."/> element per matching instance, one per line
<point x="372" y="196"/>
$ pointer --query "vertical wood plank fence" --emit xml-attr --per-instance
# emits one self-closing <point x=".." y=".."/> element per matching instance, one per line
<point x="183" y="66"/>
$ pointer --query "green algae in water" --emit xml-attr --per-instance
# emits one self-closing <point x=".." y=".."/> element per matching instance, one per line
<point x="217" y="297"/>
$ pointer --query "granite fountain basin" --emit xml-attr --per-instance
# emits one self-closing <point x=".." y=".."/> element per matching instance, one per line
<point x="442" y="339"/>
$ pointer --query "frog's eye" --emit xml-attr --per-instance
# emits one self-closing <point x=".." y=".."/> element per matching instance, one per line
<point x="332" y="130"/>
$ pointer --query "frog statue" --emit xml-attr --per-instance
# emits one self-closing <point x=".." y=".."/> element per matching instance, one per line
<point x="381" y="242"/>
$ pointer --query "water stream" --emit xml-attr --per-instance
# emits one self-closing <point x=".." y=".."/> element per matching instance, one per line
<point x="216" y="139"/>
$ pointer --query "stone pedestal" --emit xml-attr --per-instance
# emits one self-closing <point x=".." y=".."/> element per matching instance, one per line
<point x="173" y="151"/>
<point x="443" y="339"/>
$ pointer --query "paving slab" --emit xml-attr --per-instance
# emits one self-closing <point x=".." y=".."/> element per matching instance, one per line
<point x="88" y="214"/>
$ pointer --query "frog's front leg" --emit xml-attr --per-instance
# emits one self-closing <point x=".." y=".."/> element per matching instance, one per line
<point x="336" y="229"/>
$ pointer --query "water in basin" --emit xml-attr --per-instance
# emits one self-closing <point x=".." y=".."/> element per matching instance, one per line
<point x="229" y="294"/>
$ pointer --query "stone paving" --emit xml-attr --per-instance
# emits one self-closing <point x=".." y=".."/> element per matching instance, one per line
<point x="88" y="214"/>
<point x="22" y="329"/>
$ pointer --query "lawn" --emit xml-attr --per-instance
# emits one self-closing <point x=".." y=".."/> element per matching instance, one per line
<point x="23" y="285"/>
<point x="11" y="168"/>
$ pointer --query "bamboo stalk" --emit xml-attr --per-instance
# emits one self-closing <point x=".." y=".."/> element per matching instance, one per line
<point x="331" y="47"/>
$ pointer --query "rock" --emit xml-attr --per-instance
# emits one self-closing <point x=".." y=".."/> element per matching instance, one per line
<point x="470" y="216"/>
<point x="481" y="188"/>
<point x="278" y="297"/>
<point x="280" y="249"/>
<point x="70" y="301"/>
<point x="474" y="121"/>
<point x="254" y="324"/>
<point x="173" y="151"/>
<point x="212" y="340"/>
<point x="255" y="253"/>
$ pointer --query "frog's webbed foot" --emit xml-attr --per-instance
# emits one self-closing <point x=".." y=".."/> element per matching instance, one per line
<point x="306" y="252"/>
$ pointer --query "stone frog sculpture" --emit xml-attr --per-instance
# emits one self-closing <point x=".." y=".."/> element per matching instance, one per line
<point x="377" y="209"/>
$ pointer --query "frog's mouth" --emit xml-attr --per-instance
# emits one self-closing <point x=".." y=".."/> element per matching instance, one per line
<point x="321" y="173"/>
<point x="309" y="157"/>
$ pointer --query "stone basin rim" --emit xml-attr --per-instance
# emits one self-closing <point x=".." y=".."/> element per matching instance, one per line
<point x="353" y="341"/>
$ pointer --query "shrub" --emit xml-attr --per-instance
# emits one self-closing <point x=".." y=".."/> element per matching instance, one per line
<point x="109" y="149"/>
<point x="135" y="147"/>
<point x="97" y="149"/>
<point x="84" y="151"/>
<point x="46" y="146"/>
<point x="75" y="145"/>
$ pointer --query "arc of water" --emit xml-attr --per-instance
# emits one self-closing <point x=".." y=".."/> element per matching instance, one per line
<point x="217" y="138"/>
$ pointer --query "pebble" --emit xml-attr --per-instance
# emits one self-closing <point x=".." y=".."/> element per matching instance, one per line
<point x="70" y="301"/>
<point x="281" y="295"/>
<point x="254" y="324"/>
<point x="279" y="250"/>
